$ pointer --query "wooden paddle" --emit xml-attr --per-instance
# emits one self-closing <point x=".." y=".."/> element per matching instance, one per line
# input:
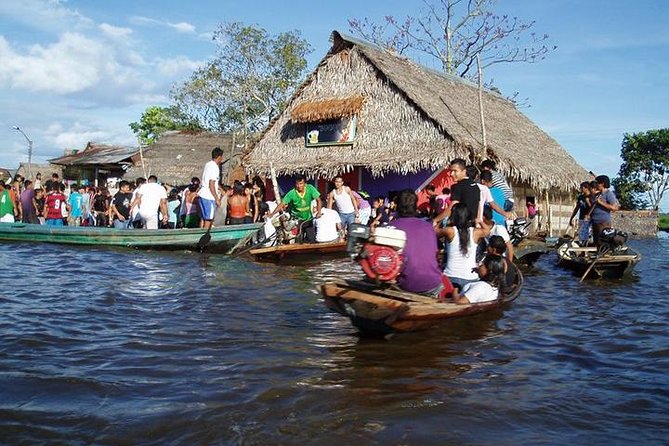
<point x="600" y="254"/>
<point x="204" y="240"/>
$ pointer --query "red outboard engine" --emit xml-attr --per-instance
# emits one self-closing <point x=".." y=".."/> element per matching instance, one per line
<point x="379" y="256"/>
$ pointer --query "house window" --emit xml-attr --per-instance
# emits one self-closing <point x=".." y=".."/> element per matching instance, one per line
<point x="330" y="133"/>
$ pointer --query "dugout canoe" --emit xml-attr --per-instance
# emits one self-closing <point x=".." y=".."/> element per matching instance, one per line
<point x="381" y="311"/>
<point x="299" y="252"/>
<point x="223" y="239"/>
<point x="610" y="265"/>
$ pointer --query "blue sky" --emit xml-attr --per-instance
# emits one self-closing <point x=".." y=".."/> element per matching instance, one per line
<point x="74" y="71"/>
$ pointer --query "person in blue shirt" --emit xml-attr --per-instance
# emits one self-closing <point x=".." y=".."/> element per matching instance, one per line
<point x="603" y="203"/>
<point x="76" y="202"/>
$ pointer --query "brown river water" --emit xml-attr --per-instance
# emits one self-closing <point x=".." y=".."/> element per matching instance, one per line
<point x="113" y="347"/>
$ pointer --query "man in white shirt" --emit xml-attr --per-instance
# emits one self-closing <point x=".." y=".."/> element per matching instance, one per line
<point x="210" y="199"/>
<point x="328" y="225"/>
<point x="151" y="197"/>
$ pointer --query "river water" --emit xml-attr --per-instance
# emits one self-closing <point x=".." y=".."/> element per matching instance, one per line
<point x="121" y="347"/>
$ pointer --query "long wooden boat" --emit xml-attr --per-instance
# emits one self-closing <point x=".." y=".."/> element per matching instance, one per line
<point x="528" y="251"/>
<point x="375" y="310"/>
<point x="610" y="265"/>
<point x="299" y="251"/>
<point x="223" y="239"/>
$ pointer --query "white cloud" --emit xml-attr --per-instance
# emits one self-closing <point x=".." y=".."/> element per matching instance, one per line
<point x="181" y="27"/>
<point x="115" y="32"/>
<point x="51" y="15"/>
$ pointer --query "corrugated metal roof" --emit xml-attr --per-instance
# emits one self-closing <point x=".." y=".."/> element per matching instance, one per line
<point x="97" y="154"/>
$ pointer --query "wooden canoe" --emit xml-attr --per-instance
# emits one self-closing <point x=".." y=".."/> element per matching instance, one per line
<point x="299" y="251"/>
<point x="528" y="251"/>
<point x="381" y="311"/>
<point x="223" y="239"/>
<point x="611" y="265"/>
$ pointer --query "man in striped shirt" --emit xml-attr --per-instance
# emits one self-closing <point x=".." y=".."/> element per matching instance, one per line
<point x="500" y="182"/>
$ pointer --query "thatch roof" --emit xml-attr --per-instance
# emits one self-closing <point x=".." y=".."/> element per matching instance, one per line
<point x="96" y="154"/>
<point x="177" y="156"/>
<point x="45" y="169"/>
<point x="5" y="174"/>
<point x="412" y="118"/>
<point x="327" y="109"/>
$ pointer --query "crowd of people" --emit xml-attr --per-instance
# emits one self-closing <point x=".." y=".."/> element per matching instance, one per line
<point x="467" y="222"/>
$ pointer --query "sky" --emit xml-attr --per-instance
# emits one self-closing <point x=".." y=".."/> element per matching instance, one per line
<point x="77" y="71"/>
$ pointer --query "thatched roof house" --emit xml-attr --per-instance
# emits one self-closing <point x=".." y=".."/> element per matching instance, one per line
<point x="409" y="118"/>
<point x="5" y="174"/>
<point x="46" y="169"/>
<point x="179" y="155"/>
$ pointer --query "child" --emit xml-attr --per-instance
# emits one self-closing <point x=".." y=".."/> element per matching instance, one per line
<point x="381" y="214"/>
<point x="173" y="204"/>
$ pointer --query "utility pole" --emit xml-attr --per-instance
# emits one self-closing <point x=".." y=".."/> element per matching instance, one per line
<point x="30" y="151"/>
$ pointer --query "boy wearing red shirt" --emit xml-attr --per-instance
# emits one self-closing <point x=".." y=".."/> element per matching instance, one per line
<point x="53" y="203"/>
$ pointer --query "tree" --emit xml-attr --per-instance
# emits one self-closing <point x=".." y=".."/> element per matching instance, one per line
<point x="157" y="120"/>
<point x="645" y="168"/>
<point x="249" y="81"/>
<point x="455" y="32"/>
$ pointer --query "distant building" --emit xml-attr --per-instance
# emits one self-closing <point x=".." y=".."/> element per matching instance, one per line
<point x="5" y="174"/>
<point x="179" y="155"/>
<point x="46" y="169"/>
<point x="96" y="163"/>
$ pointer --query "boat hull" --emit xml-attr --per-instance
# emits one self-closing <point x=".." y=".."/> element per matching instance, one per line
<point x="303" y="252"/>
<point x="607" y="266"/>
<point x="528" y="252"/>
<point x="223" y="239"/>
<point x="381" y="311"/>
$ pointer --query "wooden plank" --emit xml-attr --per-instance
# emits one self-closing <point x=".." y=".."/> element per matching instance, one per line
<point x="299" y="247"/>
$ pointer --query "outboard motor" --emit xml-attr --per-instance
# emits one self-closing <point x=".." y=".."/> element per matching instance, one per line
<point x="519" y="230"/>
<point x="286" y="228"/>
<point x="612" y="240"/>
<point x="379" y="256"/>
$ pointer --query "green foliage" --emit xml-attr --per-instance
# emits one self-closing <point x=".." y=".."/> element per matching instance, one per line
<point x="157" y="120"/>
<point x="645" y="169"/>
<point x="663" y="222"/>
<point x="249" y="81"/>
<point x="629" y="194"/>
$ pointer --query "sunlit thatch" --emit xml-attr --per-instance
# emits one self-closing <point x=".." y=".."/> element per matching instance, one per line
<point x="327" y="109"/>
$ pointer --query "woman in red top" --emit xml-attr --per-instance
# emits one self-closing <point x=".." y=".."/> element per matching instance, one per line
<point x="238" y="206"/>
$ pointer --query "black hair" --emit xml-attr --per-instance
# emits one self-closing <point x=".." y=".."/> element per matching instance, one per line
<point x="459" y="162"/>
<point x="139" y="181"/>
<point x="593" y="184"/>
<point x="495" y="270"/>
<point x="300" y="178"/>
<point x="431" y="187"/>
<point x="238" y="188"/>
<point x="123" y="183"/>
<point x="497" y="243"/>
<point x="406" y="203"/>
<point x="603" y="179"/>
<point x="487" y="213"/>
<point x="153" y="178"/>
<point x="472" y="171"/>
<point x="446" y="190"/>
<point x="216" y="153"/>
<point x="380" y="198"/>
<point x="27" y="183"/>
<point x="486" y="176"/>
<point x="585" y="184"/>
<point x="461" y="220"/>
<point x="74" y="186"/>
<point x="194" y="184"/>
<point x="488" y="165"/>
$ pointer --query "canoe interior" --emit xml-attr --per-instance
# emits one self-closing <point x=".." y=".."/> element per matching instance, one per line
<point x="380" y="311"/>
<point x="607" y="266"/>
<point x="222" y="239"/>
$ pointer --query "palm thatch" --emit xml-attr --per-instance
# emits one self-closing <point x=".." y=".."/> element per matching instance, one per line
<point x="177" y="156"/>
<point x="327" y="109"/>
<point x="413" y="118"/>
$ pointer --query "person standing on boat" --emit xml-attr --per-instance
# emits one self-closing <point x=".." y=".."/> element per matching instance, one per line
<point x="298" y="202"/>
<point x="500" y="182"/>
<point x="347" y="205"/>
<point x="604" y="203"/>
<point x="53" y="203"/>
<point x="208" y="193"/>
<point x="7" y="209"/>
<point x="463" y="191"/>
<point x="120" y="207"/>
<point x="582" y="207"/>
<point x="28" y="205"/>
<point x="420" y="272"/>
<point x="151" y="197"/>
<point x="76" y="202"/>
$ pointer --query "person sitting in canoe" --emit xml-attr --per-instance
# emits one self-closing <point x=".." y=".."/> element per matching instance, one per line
<point x="497" y="246"/>
<point x="491" y="271"/>
<point x="421" y="272"/>
<point x="328" y="226"/>
<point x="298" y="202"/>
